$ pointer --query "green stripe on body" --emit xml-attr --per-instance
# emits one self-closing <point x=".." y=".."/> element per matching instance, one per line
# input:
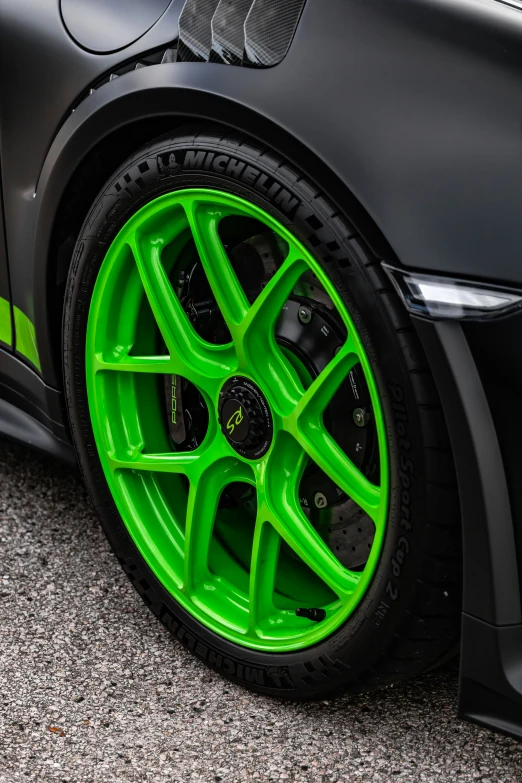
<point x="24" y="330"/>
<point x="6" y="335"/>
<point x="25" y="337"/>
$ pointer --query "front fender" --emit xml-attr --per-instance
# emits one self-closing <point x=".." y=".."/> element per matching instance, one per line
<point x="411" y="106"/>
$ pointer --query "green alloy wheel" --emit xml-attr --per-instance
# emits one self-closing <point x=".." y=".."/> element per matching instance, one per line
<point x="209" y="509"/>
<point x="239" y="432"/>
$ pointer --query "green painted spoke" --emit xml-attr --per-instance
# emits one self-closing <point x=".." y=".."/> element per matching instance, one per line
<point x="267" y="307"/>
<point x="231" y="299"/>
<point x="284" y="470"/>
<point x="299" y="534"/>
<point x="325" y="452"/>
<point x="263" y="567"/>
<point x="321" y="391"/>
<point x="186" y="462"/>
<point x="204" y="494"/>
<point x="257" y="347"/>
<point x="198" y="361"/>
<point x="306" y="424"/>
<point x="201" y="512"/>
<point x="122" y="362"/>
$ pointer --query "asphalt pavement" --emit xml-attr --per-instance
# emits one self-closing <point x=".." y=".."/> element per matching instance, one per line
<point x="94" y="690"/>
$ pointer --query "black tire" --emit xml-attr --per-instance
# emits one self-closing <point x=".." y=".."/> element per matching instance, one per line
<point x="408" y="622"/>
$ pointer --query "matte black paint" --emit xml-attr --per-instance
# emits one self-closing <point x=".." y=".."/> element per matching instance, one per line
<point x="109" y="25"/>
<point x="411" y="108"/>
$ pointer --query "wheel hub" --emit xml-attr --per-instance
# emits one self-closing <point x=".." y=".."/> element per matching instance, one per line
<point x="245" y="418"/>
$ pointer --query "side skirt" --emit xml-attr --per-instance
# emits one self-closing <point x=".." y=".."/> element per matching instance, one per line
<point x="32" y="412"/>
<point x="20" y="426"/>
<point x="24" y="388"/>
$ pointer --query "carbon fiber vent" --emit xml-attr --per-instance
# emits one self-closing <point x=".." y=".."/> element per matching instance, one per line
<point x="195" y="30"/>
<point x="269" y="29"/>
<point x="255" y="33"/>
<point x="228" y="31"/>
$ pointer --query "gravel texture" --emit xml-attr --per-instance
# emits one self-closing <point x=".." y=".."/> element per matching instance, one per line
<point x="93" y="689"/>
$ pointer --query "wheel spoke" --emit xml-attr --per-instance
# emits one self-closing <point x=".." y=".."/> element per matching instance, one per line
<point x="306" y="424"/>
<point x="267" y="306"/>
<point x="323" y="388"/>
<point x="122" y="362"/>
<point x="328" y="456"/>
<point x="256" y="345"/>
<point x="198" y="361"/>
<point x="185" y="462"/>
<point x="278" y="481"/>
<point x="202" y="506"/>
<point x="231" y="299"/>
<point x="263" y="567"/>
<point x="204" y="494"/>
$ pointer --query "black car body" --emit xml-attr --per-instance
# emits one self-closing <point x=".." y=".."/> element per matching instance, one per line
<point x="407" y="109"/>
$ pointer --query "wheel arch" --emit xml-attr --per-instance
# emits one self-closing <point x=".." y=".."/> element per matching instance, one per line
<point x="103" y="131"/>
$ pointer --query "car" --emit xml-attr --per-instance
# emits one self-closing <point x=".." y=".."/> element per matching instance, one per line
<point x="260" y="279"/>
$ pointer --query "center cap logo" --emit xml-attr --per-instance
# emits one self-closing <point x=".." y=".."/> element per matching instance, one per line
<point x="235" y="420"/>
<point x="245" y="418"/>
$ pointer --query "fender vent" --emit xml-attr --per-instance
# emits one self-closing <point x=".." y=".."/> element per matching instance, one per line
<point x="195" y="30"/>
<point x="228" y="31"/>
<point x="252" y="33"/>
<point x="269" y="29"/>
<point x="255" y="33"/>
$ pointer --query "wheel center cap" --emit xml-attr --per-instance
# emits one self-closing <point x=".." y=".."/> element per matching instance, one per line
<point x="245" y="418"/>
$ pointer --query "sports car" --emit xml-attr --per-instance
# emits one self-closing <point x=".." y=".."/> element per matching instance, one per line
<point x="261" y="279"/>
